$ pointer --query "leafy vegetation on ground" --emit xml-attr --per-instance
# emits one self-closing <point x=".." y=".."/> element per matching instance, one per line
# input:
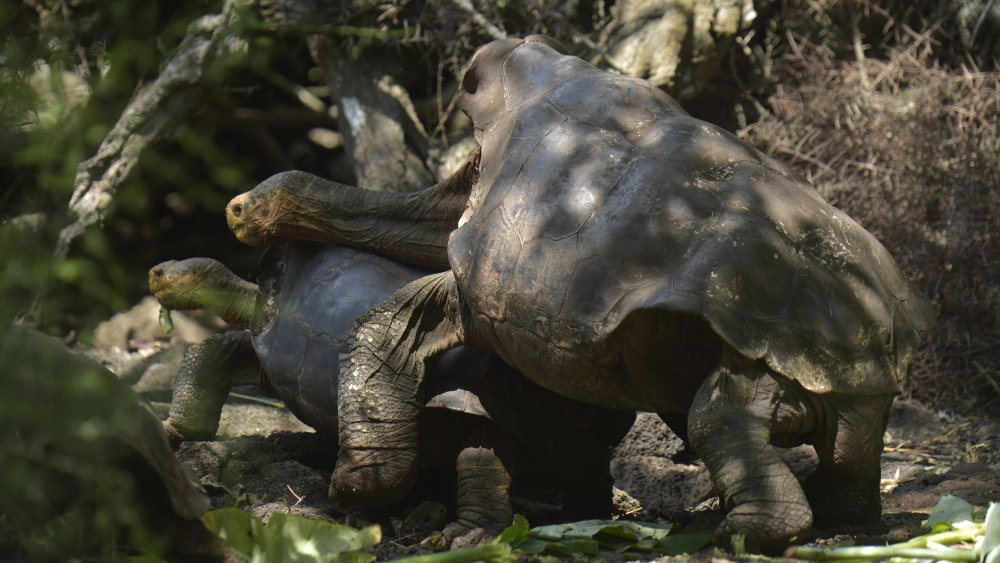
<point x="292" y="538"/>
<point x="957" y="533"/>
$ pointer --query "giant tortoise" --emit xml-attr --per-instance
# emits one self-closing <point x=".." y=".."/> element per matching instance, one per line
<point x="622" y="253"/>
<point x="482" y="418"/>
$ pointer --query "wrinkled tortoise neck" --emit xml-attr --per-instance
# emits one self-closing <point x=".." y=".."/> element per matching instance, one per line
<point x="408" y="227"/>
<point x="238" y="301"/>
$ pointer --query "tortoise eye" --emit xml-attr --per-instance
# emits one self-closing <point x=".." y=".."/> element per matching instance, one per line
<point x="238" y="209"/>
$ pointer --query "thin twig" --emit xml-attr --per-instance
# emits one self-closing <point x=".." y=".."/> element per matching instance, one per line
<point x="298" y="499"/>
<point x="480" y="20"/>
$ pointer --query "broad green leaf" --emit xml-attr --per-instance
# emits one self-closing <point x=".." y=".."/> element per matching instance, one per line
<point x="990" y="548"/>
<point x="949" y="510"/>
<point x="294" y="538"/>
<point x="684" y="542"/>
<point x="166" y="321"/>
<point x="236" y="527"/>
<point x="291" y="538"/>
<point x="516" y="532"/>
<point x="572" y="547"/>
<point x="591" y="537"/>
<point x="584" y="529"/>
<point x="625" y="529"/>
<point x="530" y="546"/>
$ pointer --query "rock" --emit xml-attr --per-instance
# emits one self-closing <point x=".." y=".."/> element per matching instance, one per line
<point x="248" y="419"/>
<point x="643" y="469"/>
<point x="675" y="44"/>
<point x="130" y="329"/>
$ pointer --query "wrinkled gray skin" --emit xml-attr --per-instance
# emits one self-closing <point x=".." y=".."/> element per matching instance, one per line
<point x="295" y="323"/>
<point x="619" y="252"/>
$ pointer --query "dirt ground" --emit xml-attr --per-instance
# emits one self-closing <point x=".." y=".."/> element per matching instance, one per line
<point x="264" y="460"/>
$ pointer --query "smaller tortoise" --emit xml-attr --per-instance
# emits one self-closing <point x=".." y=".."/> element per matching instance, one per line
<point x="291" y="328"/>
<point x="622" y="253"/>
<point x="295" y="319"/>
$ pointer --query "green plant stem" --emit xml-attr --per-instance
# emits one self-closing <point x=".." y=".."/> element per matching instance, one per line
<point x="261" y="400"/>
<point x="492" y="553"/>
<point x="881" y="552"/>
<point x="338" y="30"/>
<point x="945" y="538"/>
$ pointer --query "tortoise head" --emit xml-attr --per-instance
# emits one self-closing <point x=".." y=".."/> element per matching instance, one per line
<point x="291" y="205"/>
<point x="252" y="216"/>
<point x="202" y="283"/>
<point x="503" y="73"/>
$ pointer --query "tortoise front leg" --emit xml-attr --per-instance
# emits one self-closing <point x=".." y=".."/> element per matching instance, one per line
<point x="381" y="390"/>
<point x="207" y="373"/>
<point x="731" y="423"/>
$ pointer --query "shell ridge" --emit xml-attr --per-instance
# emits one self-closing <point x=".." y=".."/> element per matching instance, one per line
<point x="597" y="207"/>
<point x="571" y="279"/>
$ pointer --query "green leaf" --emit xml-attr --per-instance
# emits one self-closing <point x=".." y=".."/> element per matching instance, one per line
<point x="518" y="531"/>
<point x="584" y="529"/>
<point x="294" y="538"/>
<point x="572" y="547"/>
<point x="166" y="321"/>
<point x="949" y="510"/>
<point x="236" y="527"/>
<point x="624" y="529"/>
<point x="291" y="538"/>
<point x="684" y="542"/>
<point x="990" y="548"/>
<point x="591" y="537"/>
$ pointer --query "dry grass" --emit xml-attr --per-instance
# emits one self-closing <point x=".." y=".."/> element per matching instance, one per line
<point x="910" y="147"/>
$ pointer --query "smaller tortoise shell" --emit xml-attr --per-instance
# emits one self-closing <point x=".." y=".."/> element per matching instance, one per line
<point x="310" y="296"/>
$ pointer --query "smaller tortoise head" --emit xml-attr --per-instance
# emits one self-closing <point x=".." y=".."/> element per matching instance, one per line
<point x="203" y="283"/>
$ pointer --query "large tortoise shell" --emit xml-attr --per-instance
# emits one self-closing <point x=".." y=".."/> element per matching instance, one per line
<point x="599" y="197"/>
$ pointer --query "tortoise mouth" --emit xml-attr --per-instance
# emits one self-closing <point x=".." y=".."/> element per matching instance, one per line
<point x="246" y="234"/>
<point x="248" y="221"/>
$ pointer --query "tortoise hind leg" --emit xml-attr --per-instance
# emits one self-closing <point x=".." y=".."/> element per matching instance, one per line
<point x="844" y="490"/>
<point x="483" y="490"/>
<point x="207" y="373"/>
<point x="736" y="414"/>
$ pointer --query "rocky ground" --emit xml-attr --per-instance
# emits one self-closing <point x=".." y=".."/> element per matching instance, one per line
<point x="264" y="460"/>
